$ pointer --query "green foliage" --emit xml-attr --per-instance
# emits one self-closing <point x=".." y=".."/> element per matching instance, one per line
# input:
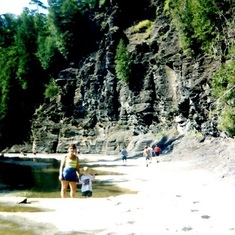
<point x="65" y="20"/>
<point x="223" y="89"/>
<point x="223" y="83"/>
<point x="227" y="121"/>
<point x="25" y="41"/>
<point x="8" y="25"/>
<point x="8" y="63"/>
<point x="122" y="62"/>
<point x="51" y="89"/>
<point x="90" y="3"/>
<point x="195" y="134"/>
<point x="142" y="26"/>
<point x="58" y="22"/>
<point x="200" y="23"/>
<point x="101" y="2"/>
<point x="21" y="76"/>
<point x="8" y="59"/>
<point x="46" y="50"/>
<point x="196" y="20"/>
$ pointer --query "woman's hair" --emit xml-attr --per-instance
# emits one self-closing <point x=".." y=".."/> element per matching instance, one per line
<point x="72" y="146"/>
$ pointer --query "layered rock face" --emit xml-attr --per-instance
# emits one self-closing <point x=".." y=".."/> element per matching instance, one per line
<point x="167" y="90"/>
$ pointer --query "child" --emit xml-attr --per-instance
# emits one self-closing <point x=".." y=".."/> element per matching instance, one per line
<point x="124" y="155"/>
<point x="146" y="154"/>
<point x="86" y="181"/>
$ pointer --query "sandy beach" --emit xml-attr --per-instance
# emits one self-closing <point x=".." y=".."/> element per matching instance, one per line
<point x="172" y="197"/>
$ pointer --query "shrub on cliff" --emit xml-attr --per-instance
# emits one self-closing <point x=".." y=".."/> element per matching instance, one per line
<point x="122" y="62"/>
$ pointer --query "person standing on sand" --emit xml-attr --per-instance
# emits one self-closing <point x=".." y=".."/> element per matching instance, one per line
<point x="150" y="153"/>
<point x="86" y="181"/>
<point x="34" y="149"/>
<point x="157" y="151"/>
<point x="146" y="155"/>
<point x="23" y="153"/>
<point x="69" y="172"/>
<point x="124" y="156"/>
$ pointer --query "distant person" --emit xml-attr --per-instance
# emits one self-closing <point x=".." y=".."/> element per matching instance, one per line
<point x="86" y="180"/>
<point x="124" y="156"/>
<point x="34" y="150"/>
<point x="146" y="155"/>
<point x="150" y="153"/>
<point x="69" y="172"/>
<point x="157" y="151"/>
<point x="23" y="153"/>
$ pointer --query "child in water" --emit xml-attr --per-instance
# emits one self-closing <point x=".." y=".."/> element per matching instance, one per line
<point x="86" y="181"/>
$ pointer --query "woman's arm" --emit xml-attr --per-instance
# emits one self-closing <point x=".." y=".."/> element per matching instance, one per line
<point x="61" y="168"/>
<point x="78" y="168"/>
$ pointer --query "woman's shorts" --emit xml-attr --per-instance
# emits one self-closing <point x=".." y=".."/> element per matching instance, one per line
<point x="87" y="193"/>
<point x="69" y="174"/>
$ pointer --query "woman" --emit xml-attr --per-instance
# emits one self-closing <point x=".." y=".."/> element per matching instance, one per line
<point x="69" y="172"/>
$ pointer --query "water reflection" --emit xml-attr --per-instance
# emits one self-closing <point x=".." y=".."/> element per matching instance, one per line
<point x="38" y="175"/>
<point x="17" y="173"/>
<point x="46" y="180"/>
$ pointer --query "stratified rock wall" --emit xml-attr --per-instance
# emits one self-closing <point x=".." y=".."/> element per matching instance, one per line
<point x="167" y="90"/>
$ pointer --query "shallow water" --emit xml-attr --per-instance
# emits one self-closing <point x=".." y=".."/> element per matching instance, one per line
<point x="41" y="182"/>
<point x="100" y="190"/>
<point x="38" y="178"/>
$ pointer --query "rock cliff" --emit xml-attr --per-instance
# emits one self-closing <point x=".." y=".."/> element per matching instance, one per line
<point x="167" y="95"/>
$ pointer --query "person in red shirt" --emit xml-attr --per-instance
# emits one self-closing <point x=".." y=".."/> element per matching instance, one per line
<point x="157" y="151"/>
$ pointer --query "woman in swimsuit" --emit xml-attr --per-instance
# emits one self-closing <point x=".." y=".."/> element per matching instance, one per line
<point x="69" y="172"/>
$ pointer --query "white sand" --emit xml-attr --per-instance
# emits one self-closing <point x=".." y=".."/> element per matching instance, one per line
<point x="173" y="198"/>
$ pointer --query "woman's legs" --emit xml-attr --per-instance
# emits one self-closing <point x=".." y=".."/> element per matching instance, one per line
<point x="64" y="186"/>
<point x="73" y="187"/>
